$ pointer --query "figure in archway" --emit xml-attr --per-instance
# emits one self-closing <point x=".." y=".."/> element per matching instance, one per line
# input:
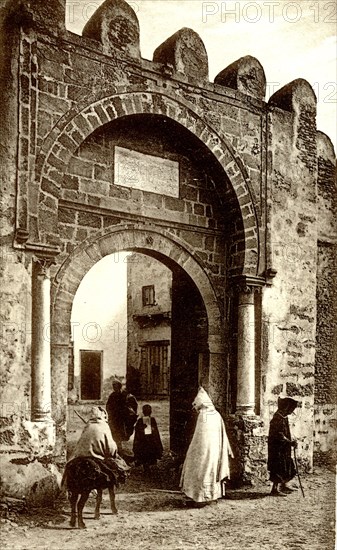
<point x="206" y="464"/>
<point x="122" y="414"/>
<point x="147" y="445"/>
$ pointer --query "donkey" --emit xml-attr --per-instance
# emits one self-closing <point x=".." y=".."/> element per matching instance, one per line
<point x="84" y="474"/>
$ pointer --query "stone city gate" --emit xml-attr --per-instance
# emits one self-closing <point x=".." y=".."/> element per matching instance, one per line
<point x="103" y="150"/>
<point x="68" y="200"/>
<point x="60" y="163"/>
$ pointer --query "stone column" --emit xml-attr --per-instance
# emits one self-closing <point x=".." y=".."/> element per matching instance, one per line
<point x="245" y="400"/>
<point x="41" y="364"/>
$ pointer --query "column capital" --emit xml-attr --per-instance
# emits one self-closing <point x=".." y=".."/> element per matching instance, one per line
<point x="43" y="264"/>
<point x="246" y="284"/>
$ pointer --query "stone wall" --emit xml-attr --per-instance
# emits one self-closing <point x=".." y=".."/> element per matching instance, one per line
<point x="325" y="417"/>
<point x="289" y="305"/>
<point x="91" y="201"/>
<point x="20" y="442"/>
<point x="80" y="90"/>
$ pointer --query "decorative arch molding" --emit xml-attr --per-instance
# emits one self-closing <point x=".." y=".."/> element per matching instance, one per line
<point x="65" y="139"/>
<point x="147" y="240"/>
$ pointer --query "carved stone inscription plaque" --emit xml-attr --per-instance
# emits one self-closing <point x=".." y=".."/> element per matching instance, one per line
<point x="146" y="172"/>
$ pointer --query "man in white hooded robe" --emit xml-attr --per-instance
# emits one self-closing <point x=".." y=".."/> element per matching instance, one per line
<point x="207" y="458"/>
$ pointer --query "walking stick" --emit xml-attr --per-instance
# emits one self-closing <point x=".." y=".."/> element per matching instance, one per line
<point x="298" y="474"/>
<point x="80" y="416"/>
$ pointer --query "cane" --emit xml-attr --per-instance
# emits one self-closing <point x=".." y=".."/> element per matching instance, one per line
<point x="298" y="474"/>
<point x="80" y="416"/>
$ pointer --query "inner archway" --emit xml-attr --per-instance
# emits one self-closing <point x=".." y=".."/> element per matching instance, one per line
<point x="195" y="317"/>
<point x="144" y="324"/>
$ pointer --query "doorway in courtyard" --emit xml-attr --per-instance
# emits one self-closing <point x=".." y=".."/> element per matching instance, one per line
<point x="144" y="323"/>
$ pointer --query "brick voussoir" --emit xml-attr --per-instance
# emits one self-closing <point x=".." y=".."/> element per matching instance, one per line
<point x="50" y="187"/>
<point x="93" y="119"/>
<point x="93" y="252"/>
<point x="118" y="106"/>
<point x="82" y="125"/>
<point x="108" y="245"/>
<point x="132" y="106"/>
<point x="249" y="222"/>
<point x="111" y="111"/>
<point x="101" y="114"/>
<point x="128" y="106"/>
<point x="67" y="141"/>
<point x="244" y="199"/>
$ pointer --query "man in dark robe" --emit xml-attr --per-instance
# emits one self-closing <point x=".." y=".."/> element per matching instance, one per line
<point x="122" y="414"/>
<point x="280" y="464"/>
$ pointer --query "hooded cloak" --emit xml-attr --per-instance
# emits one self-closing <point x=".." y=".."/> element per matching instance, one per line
<point x="206" y="463"/>
<point x="280" y="464"/>
<point x="96" y="439"/>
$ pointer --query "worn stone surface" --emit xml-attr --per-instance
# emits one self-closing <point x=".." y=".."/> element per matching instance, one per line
<point x="249" y="446"/>
<point x="325" y="415"/>
<point x="288" y="330"/>
<point x="245" y="75"/>
<point x="116" y="26"/>
<point x="36" y="482"/>
<point x="184" y="52"/>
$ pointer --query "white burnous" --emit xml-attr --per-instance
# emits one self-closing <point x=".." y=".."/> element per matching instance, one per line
<point x="207" y="460"/>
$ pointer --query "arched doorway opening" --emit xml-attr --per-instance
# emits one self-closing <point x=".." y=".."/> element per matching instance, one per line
<point x="192" y="318"/>
<point x="152" y="337"/>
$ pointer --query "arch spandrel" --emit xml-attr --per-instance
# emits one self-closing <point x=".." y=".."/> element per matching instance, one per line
<point x="53" y="163"/>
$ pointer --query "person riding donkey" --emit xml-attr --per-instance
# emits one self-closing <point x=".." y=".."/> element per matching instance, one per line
<point x="95" y="464"/>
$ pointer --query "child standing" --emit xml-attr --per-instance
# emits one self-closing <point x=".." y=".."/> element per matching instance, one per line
<point x="147" y="445"/>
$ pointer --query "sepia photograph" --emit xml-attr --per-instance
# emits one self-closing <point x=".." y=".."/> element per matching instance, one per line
<point x="168" y="371"/>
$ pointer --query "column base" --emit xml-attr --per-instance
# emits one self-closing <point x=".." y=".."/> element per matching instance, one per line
<point x="39" y="437"/>
<point x="245" y="410"/>
<point x="41" y="416"/>
<point x="249" y="445"/>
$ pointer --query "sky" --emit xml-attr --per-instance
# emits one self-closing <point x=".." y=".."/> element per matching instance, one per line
<point x="99" y="315"/>
<point x="291" y="39"/>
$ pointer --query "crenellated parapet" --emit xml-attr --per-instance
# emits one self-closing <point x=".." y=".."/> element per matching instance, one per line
<point x="245" y="75"/>
<point x="36" y="14"/>
<point x="185" y="53"/>
<point x="115" y="25"/>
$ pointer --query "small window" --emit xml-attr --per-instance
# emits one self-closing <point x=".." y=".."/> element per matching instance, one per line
<point x="148" y="295"/>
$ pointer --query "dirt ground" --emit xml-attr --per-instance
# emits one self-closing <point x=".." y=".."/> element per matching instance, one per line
<point x="152" y="516"/>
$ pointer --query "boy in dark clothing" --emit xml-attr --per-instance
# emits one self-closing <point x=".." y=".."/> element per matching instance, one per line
<point x="280" y="464"/>
<point x="147" y="445"/>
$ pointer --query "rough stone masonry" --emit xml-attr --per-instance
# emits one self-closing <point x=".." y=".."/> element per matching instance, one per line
<point x="247" y="225"/>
